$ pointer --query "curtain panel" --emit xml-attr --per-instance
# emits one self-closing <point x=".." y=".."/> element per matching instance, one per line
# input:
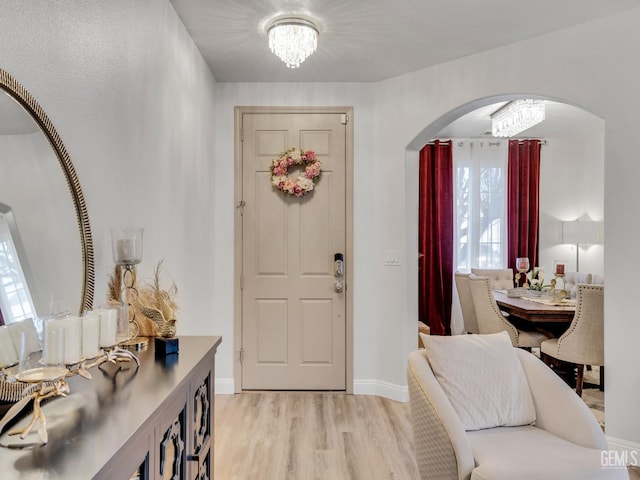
<point x="523" y="201"/>
<point x="436" y="231"/>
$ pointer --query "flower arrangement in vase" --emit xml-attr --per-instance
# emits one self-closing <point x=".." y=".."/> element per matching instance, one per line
<point x="535" y="279"/>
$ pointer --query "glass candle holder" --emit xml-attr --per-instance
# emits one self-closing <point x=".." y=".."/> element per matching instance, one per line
<point x="126" y="245"/>
<point x="53" y="353"/>
<point x="8" y="352"/>
<point x="124" y="327"/>
<point x="90" y="335"/>
<point x="25" y="330"/>
<point x="108" y="326"/>
<point x="559" y="267"/>
<point x="522" y="264"/>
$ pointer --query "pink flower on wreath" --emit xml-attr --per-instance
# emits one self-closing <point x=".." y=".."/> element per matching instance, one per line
<point x="312" y="171"/>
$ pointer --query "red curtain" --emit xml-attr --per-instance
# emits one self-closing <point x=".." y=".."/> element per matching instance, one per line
<point x="523" y="201"/>
<point x="436" y="237"/>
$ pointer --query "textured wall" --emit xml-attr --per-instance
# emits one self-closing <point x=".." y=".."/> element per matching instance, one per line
<point x="133" y="102"/>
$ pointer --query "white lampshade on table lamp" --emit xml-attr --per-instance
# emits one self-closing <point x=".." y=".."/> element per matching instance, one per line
<point x="582" y="233"/>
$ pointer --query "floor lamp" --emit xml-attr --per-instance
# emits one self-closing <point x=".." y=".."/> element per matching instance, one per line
<point x="581" y="233"/>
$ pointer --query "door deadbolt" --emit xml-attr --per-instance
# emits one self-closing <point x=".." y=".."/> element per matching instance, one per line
<point x="339" y="265"/>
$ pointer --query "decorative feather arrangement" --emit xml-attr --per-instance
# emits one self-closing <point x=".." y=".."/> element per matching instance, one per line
<point x="158" y="305"/>
<point x="151" y="307"/>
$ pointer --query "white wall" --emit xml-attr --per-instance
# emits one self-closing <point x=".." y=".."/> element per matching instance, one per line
<point x="586" y="65"/>
<point x="571" y="187"/>
<point x="135" y="107"/>
<point x="133" y="102"/>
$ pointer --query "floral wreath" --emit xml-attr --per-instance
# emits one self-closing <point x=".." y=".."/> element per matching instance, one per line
<point x="305" y="181"/>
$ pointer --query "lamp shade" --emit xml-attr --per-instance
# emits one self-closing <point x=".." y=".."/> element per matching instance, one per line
<point x="579" y="232"/>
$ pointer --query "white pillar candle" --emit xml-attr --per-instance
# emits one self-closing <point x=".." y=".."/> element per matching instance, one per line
<point x="72" y="325"/>
<point x="53" y="353"/>
<point x="90" y="335"/>
<point x="124" y="249"/>
<point x="108" y="326"/>
<point x="32" y="342"/>
<point x="8" y="352"/>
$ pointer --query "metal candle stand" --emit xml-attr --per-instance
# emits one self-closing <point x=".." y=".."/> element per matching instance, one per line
<point x="46" y="388"/>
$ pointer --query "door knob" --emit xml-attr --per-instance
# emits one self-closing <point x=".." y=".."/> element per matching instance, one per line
<point x="339" y="286"/>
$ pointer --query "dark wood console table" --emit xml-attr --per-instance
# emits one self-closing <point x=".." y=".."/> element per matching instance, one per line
<point x="126" y="423"/>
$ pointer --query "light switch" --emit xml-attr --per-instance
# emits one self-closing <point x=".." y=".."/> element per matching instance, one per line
<point x="392" y="258"/>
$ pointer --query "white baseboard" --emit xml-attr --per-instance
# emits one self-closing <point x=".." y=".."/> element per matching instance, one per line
<point x="391" y="391"/>
<point x="627" y="452"/>
<point x="225" y="386"/>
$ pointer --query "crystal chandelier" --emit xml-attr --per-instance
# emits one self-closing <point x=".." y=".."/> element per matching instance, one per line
<point x="516" y="117"/>
<point x="293" y="40"/>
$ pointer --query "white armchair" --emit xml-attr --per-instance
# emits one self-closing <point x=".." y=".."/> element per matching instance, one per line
<point x="564" y="443"/>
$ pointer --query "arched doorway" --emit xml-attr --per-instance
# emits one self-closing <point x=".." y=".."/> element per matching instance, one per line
<point x="572" y="168"/>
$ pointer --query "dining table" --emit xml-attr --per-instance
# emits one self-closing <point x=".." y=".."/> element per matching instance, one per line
<point x="541" y="309"/>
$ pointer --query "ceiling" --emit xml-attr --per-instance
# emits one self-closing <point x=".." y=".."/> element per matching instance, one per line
<point x="372" y="40"/>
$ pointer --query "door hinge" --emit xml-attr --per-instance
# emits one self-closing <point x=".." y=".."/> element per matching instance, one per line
<point x="241" y="282"/>
<point x="240" y="205"/>
<point x="344" y="119"/>
<point x="241" y="354"/>
<point x="242" y="134"/>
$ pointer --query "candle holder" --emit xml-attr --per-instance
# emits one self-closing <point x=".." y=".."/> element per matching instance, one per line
<point x="558" y="272"/>
<point x="126" y="245"/>
<point x="68" y="349"/>
<point x="522" y="265"/>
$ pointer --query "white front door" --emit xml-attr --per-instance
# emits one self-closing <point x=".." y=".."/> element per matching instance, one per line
<point x="293" y="319"/>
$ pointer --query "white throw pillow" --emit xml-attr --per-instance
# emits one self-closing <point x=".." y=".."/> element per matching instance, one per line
<point x="483" y="378"/>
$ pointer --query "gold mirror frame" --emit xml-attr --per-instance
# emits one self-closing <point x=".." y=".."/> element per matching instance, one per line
<point x="22" y="96"/>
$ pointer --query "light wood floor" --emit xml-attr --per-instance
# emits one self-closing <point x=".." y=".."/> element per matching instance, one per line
<point x="314" y="436"/>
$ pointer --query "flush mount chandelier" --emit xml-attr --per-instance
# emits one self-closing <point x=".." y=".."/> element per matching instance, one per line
<point x="292" y="39"/>
<point x="516" y="117"/>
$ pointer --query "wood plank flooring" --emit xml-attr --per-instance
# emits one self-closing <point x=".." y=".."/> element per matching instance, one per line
<point x="306" y="435"/>
<point x="314" y="436"/>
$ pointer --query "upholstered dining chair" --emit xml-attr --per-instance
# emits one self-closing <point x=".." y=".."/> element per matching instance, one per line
<point x="491" y="320"/>
<point x="466" y="303"/>
<point x="583" y="342"/>
<point x="500" y="278"/>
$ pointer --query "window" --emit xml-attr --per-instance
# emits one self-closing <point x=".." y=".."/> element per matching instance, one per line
<point x="480" y="185"/>
<point x="15" y="300"/>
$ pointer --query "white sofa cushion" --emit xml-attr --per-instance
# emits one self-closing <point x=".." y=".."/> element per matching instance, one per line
<point x="530" y="453"/>
<point x="465" y="364"/>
